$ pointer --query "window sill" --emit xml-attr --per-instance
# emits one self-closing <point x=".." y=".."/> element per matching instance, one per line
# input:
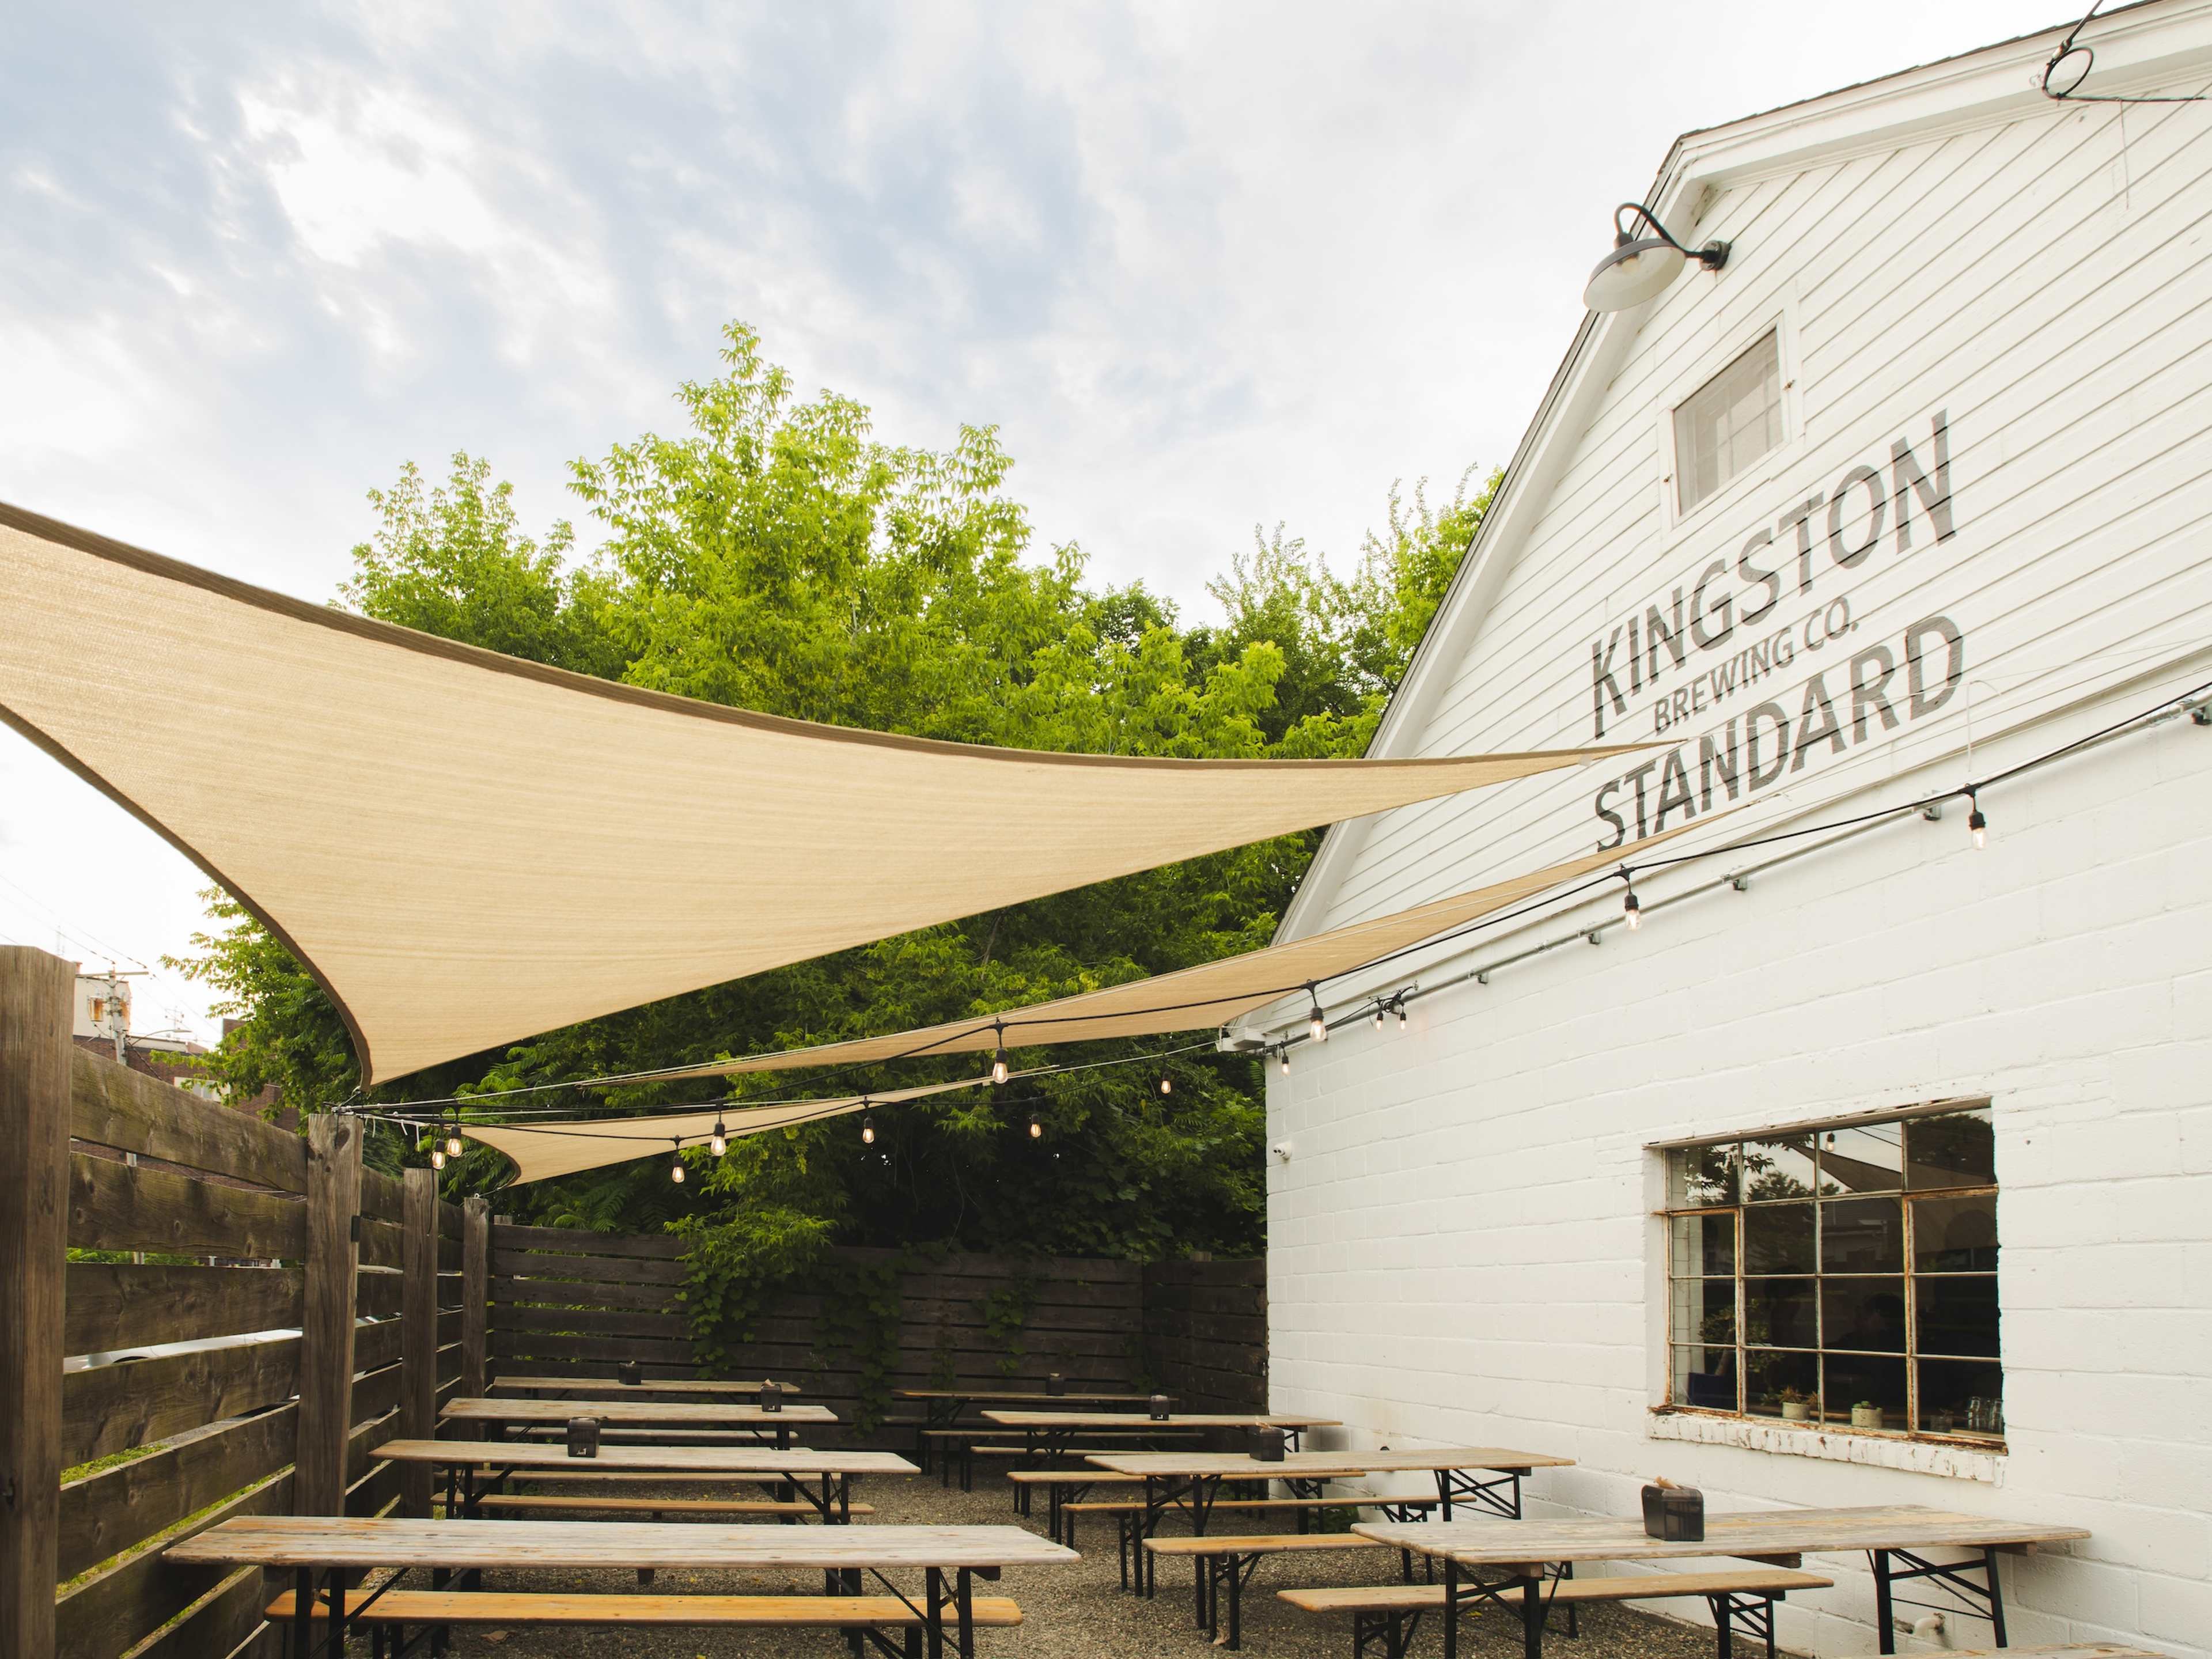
<point x="1883" y="1451"/>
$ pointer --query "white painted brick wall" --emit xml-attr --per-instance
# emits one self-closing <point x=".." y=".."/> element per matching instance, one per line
<point x="1462" y="1247"/>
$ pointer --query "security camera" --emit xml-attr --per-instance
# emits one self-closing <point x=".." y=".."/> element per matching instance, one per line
<point x="1282" y="1150"/>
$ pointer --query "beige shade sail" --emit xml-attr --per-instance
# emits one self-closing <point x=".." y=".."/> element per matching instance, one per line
<point x="1193" y="998"/>
<point x="541" y="1151"/>
<point x="467" y="849"/>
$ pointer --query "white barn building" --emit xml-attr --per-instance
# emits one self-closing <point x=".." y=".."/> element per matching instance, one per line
<point x="1915" y="489"/>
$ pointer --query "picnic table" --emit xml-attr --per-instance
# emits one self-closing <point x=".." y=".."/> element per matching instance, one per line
<point x="1507" y="1559"/>
<point x="1487" y="1476"/>
<point x="333" y="1547"/>
<point x="676" y="1414"/>
<point x="581" y="1387"/>
<point x="1051" y="1433"/>
<point x="822" y="1478"/>
<point x="941" y="1408"/>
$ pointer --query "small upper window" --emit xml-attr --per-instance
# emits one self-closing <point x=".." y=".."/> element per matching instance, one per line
<point x="1728" y="424"/>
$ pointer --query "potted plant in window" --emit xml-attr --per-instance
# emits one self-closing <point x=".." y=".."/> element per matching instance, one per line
<point x="1865" y="1415"/>
<point x="1797" y="1405"/>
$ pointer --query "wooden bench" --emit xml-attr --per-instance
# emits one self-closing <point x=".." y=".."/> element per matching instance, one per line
<point x="533" y="1504"/>
<point x="968" y="1444"/>
<point x="1129" y="1516"/>
<point x="392" y="1612"/>
<point x="1385" y="1617"/>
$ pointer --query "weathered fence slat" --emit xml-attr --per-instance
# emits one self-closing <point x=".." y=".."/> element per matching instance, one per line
<point x="112" y="1305"/>
<point x="334" y="1185"/>
<point x="36" y="992"/>
<point x="106" y="1513"/>
<point x="113" y="1408"/>
<point x="418" y="1321"/>
<point x="115" y="1206"/>
<point x="112" y="1105"/>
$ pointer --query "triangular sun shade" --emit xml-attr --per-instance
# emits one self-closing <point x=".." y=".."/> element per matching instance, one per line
<point x="1192" y="998"/>
<point x="467" y="849"/>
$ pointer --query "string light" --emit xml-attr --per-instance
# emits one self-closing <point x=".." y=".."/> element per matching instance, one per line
<point x="1977" y="822"/>
<point x="718" y="1143"/>
<point x="1167" y="1083"/>
<point x="1632" y="908"/>
<point x="998" y="1069"/>
<point x="1316" y="1027"/>
<point x="1283" y="1056"/>
<point x="867" y="1131"/>
<point x="1036" y="1129"/>
<point x="1378" y="1015"/>
<point x="675" y="1169"/>
<point x="1402" y="1013"/>
<point x="454" y="1138"/>
<point x="437" y="1157"/>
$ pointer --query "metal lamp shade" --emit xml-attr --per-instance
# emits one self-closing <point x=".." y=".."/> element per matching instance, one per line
<point x="1632" y="273"/>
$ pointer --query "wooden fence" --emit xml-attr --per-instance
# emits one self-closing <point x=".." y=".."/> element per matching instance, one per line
<point x="1205" y="1332"/>
<point x="569" y="1303"/>
<point x="320" y="1304"/>
<point x="203" y="1315"/>
<point x="572" y="1303"/>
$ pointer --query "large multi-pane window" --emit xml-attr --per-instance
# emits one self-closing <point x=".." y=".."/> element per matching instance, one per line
<point x="1842" y="1276"/>
<point x="1728" y="424"/>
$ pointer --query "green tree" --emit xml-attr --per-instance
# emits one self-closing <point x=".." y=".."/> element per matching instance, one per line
<point x="774" y="555"/>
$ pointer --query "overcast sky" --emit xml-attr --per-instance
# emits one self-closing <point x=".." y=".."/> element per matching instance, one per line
<point x="1206" y="266"/>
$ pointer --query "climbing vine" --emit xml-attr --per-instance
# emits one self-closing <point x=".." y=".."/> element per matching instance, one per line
<point x="862" y="1306"/>
<point x="1006" y="1312"/>
<point x="735" y="1265"/>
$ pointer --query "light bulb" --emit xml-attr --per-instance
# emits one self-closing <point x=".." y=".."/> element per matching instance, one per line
<point x="1167" y="1085"/>
<point x="1633" y="909"/>
<point x="437" y="1157"/>
<point x="999" y="1072"/>
<point x="1316" y="1027"/>
<point x="1378" y="1015"/>
<point x="453" y="1145"/>
<point x="1979" y="824"/>
<point x="1036" y="1129"/>
<point x="867" y="1131"/>
<point x="675" y="1169"/>
<point x="718" y="1143"/>
<point x="1402" y="1016"/>
<point x="1283" y="1055"/>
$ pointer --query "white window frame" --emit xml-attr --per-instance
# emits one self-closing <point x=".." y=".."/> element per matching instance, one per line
<point x="1780" y="320"/>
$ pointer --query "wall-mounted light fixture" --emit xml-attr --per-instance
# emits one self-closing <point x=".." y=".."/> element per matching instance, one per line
<point x="1640" y="268"/>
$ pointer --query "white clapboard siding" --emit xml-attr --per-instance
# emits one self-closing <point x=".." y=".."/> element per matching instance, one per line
<point x="2048" y="295"/>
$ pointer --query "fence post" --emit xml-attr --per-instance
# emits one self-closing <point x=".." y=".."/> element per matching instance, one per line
<point x="318" y="1480"/>
<point x="35" y="992"/>
<point x="476" y="1297"/>
<point x="418" y="1333"/>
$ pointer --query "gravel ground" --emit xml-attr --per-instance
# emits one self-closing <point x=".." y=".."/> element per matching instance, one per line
<point x="1069" y="1611"/>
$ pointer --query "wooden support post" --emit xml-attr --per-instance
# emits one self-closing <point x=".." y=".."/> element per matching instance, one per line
<point x="35" y="1015"/>
<point x="318" y="1484"/>
<point x="476" y="1299"/>
<point x="418" y="1334"/>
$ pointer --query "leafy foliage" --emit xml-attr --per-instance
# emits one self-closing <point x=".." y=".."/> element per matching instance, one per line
<point x="774" y="554"/>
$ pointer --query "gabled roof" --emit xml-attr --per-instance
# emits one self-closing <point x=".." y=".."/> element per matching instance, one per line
<point x="2136" y="47"/>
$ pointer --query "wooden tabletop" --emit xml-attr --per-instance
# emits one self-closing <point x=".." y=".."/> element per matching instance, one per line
<point x="1328" y="1465"/>
<point x="324" y="1541"/>
<point x="1137" y="1420"/>
<point x="664" y="1413"/>
<point x="1757" y="1533"/>
<point x="1024" y="1396"/>
<point x="669" y="1460"/>
<point x="583" y="1385"/>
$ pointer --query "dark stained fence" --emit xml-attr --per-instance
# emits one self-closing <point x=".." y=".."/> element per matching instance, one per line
<point x="568" y="1303"/>
<point x="1205" y="1332"/>
<point x="259" y="1273"/>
